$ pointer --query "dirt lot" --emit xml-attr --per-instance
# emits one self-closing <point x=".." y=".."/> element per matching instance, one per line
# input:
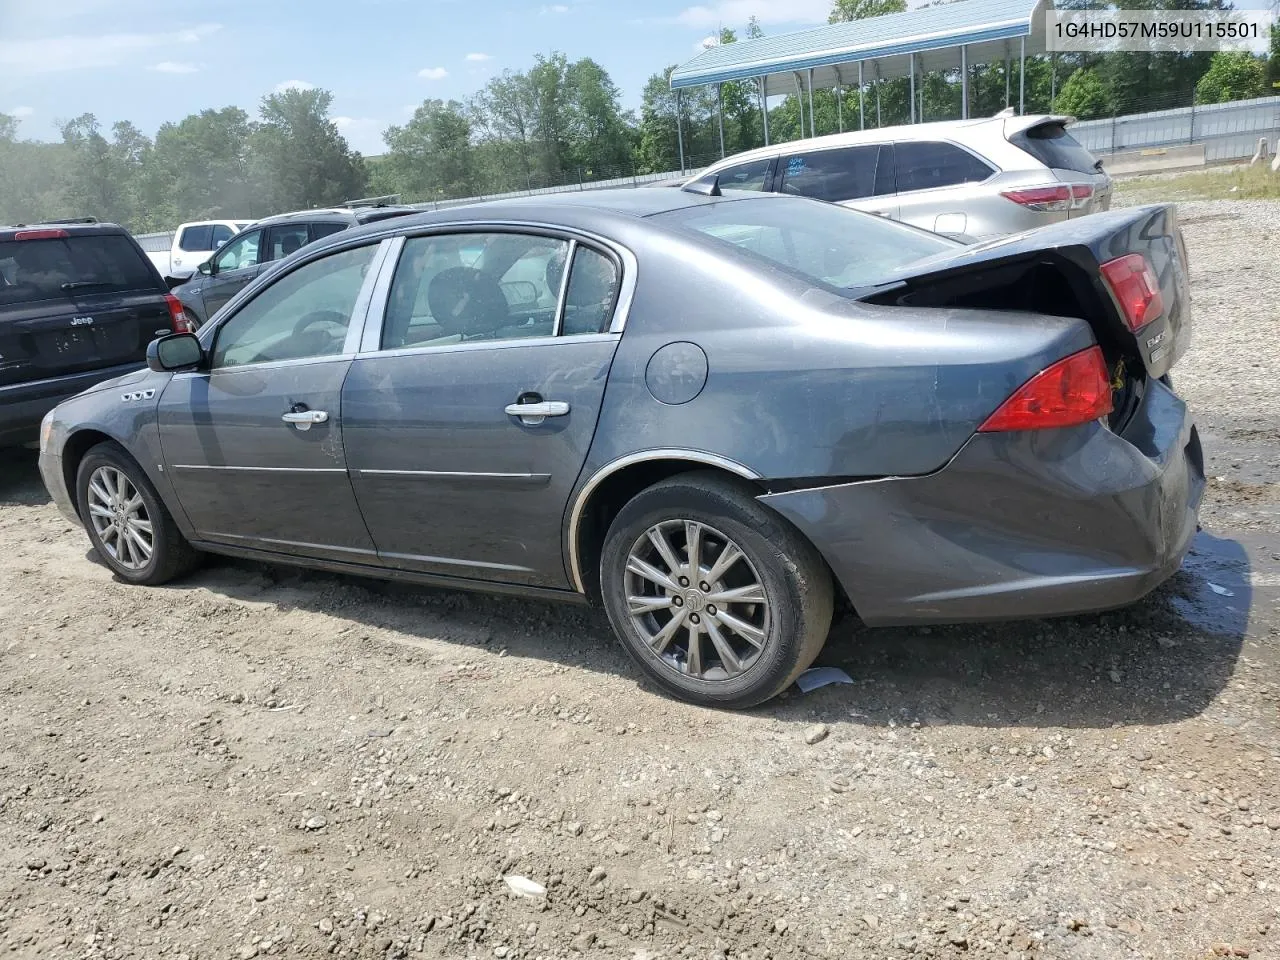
<point x="263" y="762"/>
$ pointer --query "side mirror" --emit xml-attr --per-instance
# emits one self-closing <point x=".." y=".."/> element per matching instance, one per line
<point x="174" y="352"/>
<point x="207" y="268"/>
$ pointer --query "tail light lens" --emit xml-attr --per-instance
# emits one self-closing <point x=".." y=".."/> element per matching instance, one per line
<point x="1060" y="196"/>
<point x="1073" y="391"/>
<point x="178" y="318"/>
<point x="1137" y="289"/>
<point x="41" y="235"/>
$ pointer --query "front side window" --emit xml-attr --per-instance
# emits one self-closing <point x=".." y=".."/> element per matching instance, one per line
<point x="848" y="173"/>
<point x="926" y="165"/>
<point x="240" y="252"/>
<point x="745" y="176"/>
<point x="306" y="313"/>
<point x="458" y="288"/>
<point x="825" y="243"/>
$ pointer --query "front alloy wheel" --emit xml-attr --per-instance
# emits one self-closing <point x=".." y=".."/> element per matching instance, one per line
<point x="119" y="517"/>
<point x="128" y="524"/>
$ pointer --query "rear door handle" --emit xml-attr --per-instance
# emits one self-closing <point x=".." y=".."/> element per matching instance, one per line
<point x="533" y="414"/>
<point x="304" y="419"/>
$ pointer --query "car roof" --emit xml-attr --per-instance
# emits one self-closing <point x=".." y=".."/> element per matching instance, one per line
<point x="938" y="129"/>
<point x="80" y="229"/>
<point x="349" y="215"/>
<point x="625" y="201"/>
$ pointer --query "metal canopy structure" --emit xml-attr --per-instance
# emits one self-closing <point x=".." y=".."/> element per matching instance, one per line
<point x="942" y="38"/>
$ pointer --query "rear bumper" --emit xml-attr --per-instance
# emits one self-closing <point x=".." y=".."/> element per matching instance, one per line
<point x="23" y="405"/>
<point x="1017" y="525"/>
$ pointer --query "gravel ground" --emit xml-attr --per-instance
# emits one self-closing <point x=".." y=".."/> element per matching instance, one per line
<point x="260" y="762"/>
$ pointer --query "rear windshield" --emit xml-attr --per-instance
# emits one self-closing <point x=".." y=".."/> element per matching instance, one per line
<point x="1055" y="148"/>
<point x="32" y="270"/>
<point x="830" y="244"/>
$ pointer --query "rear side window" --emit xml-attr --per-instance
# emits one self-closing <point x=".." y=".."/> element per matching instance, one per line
<point x="286" y="240"/>
<point x="927" y="165"/>
<point x="1055" y="148"/>
<point x="319" y="230"/>
<point x="195" y="239"/>
<point x="32" y="270"/>
<point x="833" y="175"/>
<point x="221" y="234"/>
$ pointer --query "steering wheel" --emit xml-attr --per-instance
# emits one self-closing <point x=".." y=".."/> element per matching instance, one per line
<point x="317" y="317"/>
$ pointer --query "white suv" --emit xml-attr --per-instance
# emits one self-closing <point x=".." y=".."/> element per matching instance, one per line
<point x="970" y="179"/>
<point x="193" y="244"/>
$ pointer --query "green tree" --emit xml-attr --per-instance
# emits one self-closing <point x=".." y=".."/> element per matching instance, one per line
<point x="1273" y="60"/>
<point x="1084" y="96"/>
<point x="299" y="158"/>
<point x="601" y="137"/>
<point x="430" y="157"/>
<point x="1232" y="76"/>
<point x="200" y="168"/>
<point x="844" y="11"/>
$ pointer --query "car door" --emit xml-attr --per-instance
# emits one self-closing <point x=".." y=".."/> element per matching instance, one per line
<point x="932" y="178"/>
<point x="452" y="476"/>
<point x="231" y="269"/>
<point x="253" y="443"/>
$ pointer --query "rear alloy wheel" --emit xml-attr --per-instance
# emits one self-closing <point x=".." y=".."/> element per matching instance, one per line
<point x="716" y="598"/>
<point x="128" y="524"/>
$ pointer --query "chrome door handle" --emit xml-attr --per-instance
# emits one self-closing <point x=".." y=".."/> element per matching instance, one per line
<point x="533" y="414"/>
<point x="303" y="419"/>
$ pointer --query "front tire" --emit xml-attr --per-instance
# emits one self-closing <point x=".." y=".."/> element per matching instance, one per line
<point x="128" y="524"/>
<point x="717" y="599"/>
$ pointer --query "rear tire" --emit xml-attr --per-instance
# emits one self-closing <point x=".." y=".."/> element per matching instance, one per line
<point x="753" y="617"/>
<point x="128" y="524"/>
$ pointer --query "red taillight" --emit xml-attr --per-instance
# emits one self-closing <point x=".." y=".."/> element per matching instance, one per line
<point x="178" y="316"/>
<point x="41" y="235"/>
<point x="1041" y="198"/>
<point x="1065" y="196"/>
<point x="1134" y="283"/>
<point x="1073" y="391"/>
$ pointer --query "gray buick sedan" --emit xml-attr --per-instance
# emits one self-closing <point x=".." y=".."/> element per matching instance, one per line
<point x="719" y="415"/>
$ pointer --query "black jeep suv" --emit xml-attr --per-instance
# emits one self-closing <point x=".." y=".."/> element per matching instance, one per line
<point x="79" y="302"/>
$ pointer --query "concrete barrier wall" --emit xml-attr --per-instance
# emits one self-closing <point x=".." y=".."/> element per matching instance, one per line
<point x="1228" y="131"/>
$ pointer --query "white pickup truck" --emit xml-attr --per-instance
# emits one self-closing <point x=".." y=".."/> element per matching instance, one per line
<point x="193" y="244"/>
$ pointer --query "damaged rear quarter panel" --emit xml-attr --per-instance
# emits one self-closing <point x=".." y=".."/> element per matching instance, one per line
<point x="804" y="383"/>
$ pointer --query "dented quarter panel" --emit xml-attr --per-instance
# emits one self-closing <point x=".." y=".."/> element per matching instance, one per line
<point x="804" y="383"/>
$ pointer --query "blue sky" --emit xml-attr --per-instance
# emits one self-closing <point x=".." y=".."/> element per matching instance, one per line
<point x="149" y="61"/>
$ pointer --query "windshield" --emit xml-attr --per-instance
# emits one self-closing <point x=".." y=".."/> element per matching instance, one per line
<point x="830" y="244"/>
<point x="33" y="270"/>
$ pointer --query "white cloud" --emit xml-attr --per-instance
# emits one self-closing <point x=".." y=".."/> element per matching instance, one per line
<point x="294" y="85"/>
<point x="433" y="73"/>
<point x="554" y="8"/>
<point x="21" y="113"/>
<point x="706" y="43"/>
<point x="169" y="66"/>
<point x="478" y="57"/>
<point x="713" y="15"/>
<point x="78" y="52"/>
